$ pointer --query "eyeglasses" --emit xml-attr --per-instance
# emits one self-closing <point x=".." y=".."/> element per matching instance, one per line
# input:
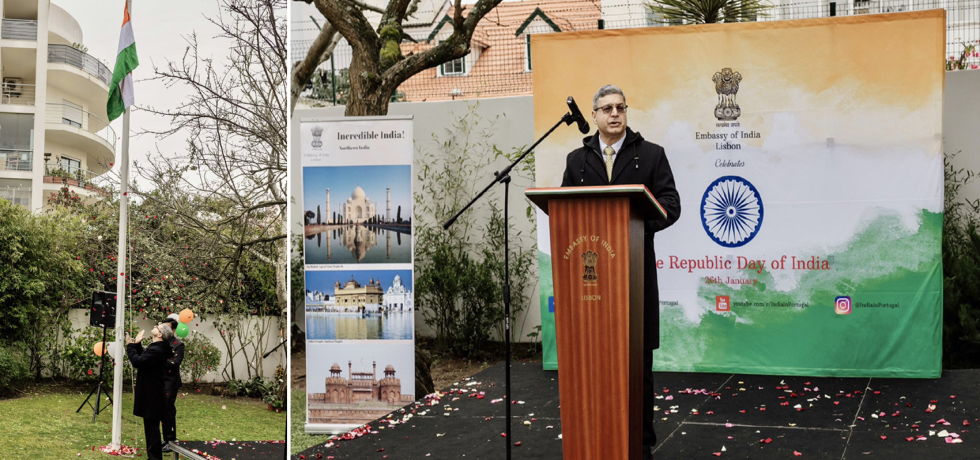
<point x="607" y="109"/>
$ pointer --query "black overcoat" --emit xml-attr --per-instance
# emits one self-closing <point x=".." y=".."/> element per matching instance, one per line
<point x="637" y="162"/>
<point x="150" y="401"/>
<point x="172" y="379"/>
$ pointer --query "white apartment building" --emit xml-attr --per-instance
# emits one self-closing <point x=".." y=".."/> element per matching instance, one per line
<point x="53" y="119"/>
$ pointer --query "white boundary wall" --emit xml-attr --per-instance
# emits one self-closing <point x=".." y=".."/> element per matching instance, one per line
<point x="961" y="125"/>
<point x="80" y="322"/>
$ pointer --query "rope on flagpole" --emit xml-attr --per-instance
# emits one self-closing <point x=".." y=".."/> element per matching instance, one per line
<point x="132" y="370"/>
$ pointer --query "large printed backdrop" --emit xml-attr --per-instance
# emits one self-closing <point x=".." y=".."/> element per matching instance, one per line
<point x="808" y="157"/>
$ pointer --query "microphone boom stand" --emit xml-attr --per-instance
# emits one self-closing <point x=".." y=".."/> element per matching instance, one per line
<point x="503" y="177"/>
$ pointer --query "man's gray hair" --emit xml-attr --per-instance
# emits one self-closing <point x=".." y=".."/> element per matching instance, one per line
<point x="605" y="91"/>
<point x="165" y="331"/>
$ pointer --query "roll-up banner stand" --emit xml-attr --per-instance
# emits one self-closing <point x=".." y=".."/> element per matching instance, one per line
<point x="358" y="249"/>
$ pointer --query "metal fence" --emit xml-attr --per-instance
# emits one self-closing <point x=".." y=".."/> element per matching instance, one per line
<point x="16" y="93"/>
<point x="503" y="67"/>
<point x="65" y="54"/>
<point x="18" y="29"/>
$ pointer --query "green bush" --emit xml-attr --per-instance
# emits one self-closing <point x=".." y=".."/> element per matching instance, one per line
<point x="459" y="295"/>
<point x="15" y="366"/>
<point x="201" y="356"/>
<point x="80" y="362"/>
<point x="255" y="387"/>
<point x="460" y="271"/>
<point x="961" y="270"/>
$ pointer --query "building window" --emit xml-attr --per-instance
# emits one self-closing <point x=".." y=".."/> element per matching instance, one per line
<point x="71" y="165"/>
<point x="527" y="52"/>
<point x="16" y="132"/>
<point x="454" y="67"/>
<point x="72" y="114"/>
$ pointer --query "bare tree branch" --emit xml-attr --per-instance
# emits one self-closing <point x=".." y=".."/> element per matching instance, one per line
<point x="320" y="51"/>
<point x="229" y="186"/>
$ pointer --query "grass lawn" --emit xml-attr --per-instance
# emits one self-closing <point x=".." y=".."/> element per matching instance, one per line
<point x="298" y="440"/>
<point x="44" y="424"/>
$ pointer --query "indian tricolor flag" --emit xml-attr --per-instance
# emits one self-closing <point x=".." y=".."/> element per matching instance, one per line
<point x="121" y="89"/>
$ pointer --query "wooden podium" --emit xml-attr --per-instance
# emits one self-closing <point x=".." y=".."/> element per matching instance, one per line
<point x="597" y="265"/>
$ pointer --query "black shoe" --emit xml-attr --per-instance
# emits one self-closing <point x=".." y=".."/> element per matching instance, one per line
<point x="166" y="447"/>
<point x="647" y="452"/>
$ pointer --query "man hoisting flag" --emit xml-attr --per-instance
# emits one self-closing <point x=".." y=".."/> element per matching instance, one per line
<point x="120" y="99"/>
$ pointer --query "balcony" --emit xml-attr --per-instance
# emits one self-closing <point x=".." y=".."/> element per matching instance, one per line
<point x="65" y="54"/>
<point x="77" y="180"/>
<point x="18" y="29"/>
<point x="15" y="93"/>
<point x="70" y="125"/>
<point x="16" y="160"/>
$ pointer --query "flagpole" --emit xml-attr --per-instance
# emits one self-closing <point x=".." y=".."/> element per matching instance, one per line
<point x="117" y="355"/>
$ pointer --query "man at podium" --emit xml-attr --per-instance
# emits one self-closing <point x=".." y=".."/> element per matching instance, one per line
<point x="617" y="155"/>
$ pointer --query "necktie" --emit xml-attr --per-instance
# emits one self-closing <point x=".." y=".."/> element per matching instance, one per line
<point x="609" y="161"/>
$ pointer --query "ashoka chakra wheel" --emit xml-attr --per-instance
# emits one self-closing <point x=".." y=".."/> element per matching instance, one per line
<point x="731" y="211"/>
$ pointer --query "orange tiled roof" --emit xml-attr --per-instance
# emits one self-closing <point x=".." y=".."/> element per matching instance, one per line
<point x="499" y="70"/>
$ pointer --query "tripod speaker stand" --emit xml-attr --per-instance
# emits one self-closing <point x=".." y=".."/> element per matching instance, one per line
<point x="103" y="314"/>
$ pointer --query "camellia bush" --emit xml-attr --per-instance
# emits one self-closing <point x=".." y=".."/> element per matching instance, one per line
<point x="79" y="361"/>
<point x="201" y="357"/>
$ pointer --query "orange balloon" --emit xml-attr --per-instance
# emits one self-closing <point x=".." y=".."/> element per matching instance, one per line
<point x="186" y="315"/>
<point x="100" y="347"/>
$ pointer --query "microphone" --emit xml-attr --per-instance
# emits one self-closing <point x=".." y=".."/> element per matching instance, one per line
<point x="583" y="125"/>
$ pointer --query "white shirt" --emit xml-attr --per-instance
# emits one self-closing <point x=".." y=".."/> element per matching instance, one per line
<point x="616" y="146"/>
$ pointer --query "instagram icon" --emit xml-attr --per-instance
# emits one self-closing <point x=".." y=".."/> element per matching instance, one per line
<point x="842" y="305"/>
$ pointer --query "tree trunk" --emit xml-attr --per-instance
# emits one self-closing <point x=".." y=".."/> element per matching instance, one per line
<point x="366" y="98"/>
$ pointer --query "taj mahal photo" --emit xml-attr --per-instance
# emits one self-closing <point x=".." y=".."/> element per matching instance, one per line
<point x="357" y="214"/>
<point x="359" y="305"/>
